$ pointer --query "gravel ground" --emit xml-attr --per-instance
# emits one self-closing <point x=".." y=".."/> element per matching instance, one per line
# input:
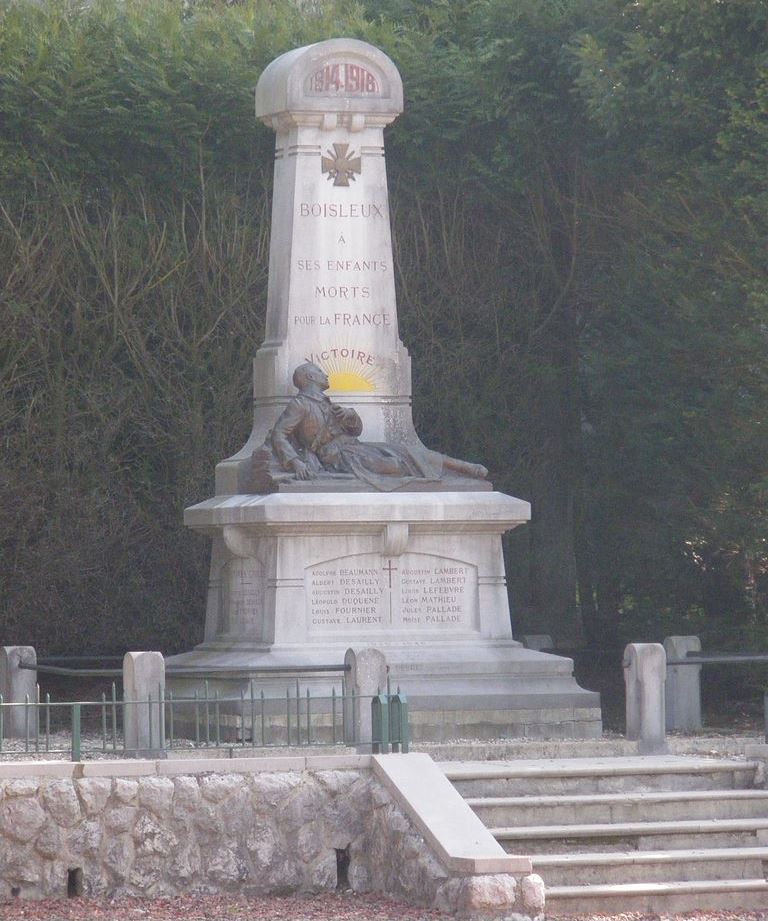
<point x="326" y="907"/>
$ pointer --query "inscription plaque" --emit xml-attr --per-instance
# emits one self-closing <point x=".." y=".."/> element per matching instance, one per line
<point x="242" y="588"/>
<point x="370" y="592"/>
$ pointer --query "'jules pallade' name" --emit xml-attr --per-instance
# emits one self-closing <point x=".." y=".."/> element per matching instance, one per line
<point x="340" y="209"/>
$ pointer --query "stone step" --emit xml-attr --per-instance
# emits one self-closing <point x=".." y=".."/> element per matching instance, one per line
<point x="546" y="777"/>
<point x="632" y="836"/>
<point x="666" y="897"/>
<point x="651" y="866"/>
<point x="595" y="808"/>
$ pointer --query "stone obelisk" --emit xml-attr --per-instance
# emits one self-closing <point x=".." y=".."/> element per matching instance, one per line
<point x="331" y="294"/>
<point x="298" y="576"/>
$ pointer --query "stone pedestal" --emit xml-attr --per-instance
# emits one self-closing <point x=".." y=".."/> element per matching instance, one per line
<point x="419" y="576"/>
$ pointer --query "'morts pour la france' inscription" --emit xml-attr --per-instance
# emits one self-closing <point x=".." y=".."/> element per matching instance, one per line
<point x="369" y="592"/>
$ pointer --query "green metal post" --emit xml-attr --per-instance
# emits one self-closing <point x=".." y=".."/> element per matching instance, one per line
<point x="207" y="713"/>
<point x="379" y="724"/>
<point x="197" y="721"/>
<point x="161" y="699"/>
<point x="149" y="720"/>
<point x="288" y="714"/>
<point x="113" y="702"/>
<point x="103" y="721"/>
<point x="298" y="713"/>
<point x="399" y="721"/>
<point x="76" y="732"/>
<point x="171" y="733"/>
<point x="37" y="717"/>
<point x="242" y="717"/>
<point x="26" y="722"/>
<point x="217" y="711"/>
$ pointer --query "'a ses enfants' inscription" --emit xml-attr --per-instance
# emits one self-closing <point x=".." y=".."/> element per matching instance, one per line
<point x="369" y="592"/>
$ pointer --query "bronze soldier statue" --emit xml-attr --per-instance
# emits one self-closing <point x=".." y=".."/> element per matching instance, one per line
<point x="315" y="439"/>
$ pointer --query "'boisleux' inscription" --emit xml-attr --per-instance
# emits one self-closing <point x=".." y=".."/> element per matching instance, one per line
<point x="412" y="592"/>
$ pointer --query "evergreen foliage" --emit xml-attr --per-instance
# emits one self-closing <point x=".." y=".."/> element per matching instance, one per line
<point x="580" y="214"/>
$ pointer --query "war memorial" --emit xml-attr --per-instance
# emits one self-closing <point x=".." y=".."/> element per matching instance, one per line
<point x="334" y="527"/>
<point x="335" y="530"/>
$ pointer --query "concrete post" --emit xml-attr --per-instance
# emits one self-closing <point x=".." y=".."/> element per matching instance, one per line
<point x="17" y="684"/>
<point x="143" y="689"/>
<point x="683" y="684"/>
<point x="366" y="677"/>
<point x="645" y="666"/>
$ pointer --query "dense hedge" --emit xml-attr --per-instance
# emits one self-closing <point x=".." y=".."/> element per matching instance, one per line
<point x="579" y="203"/>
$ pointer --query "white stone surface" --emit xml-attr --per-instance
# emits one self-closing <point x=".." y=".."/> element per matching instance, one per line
<point x="143" y="688"/>
<point x="645" y="666"/>
<point x="367" y="676"/>
<point x="429" y="799"/>
<point x="419" y="576"/>
<point x="682" y="690"/>
<point x="16" y="685"/>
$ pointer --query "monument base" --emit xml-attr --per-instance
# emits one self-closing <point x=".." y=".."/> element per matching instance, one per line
<point x="298" y="578"/>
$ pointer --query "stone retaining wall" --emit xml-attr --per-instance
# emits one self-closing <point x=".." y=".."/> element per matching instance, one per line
<point x="228" y="829"/>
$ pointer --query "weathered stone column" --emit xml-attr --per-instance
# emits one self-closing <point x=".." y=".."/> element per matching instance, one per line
<point x="143" y="691"/>
<point x="16" y="685"/>
<point x="683" y="684"/>
<point x="645" y="667"/>
<point x="367" y="676"/>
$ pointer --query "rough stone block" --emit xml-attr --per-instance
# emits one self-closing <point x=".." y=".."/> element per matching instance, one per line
<point x="186" y="794"/>
<point x="534" y="894"/>
<point x="61" y="802"/>
<point x="156" y="794"/>
<point x="21" y="819"/>
<point x="94" y="793"/>
<point x="217" y="787"/>
<point x="125" y="790"/>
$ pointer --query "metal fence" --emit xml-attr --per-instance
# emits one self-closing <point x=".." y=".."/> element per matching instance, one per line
<point x="204" y="719"/>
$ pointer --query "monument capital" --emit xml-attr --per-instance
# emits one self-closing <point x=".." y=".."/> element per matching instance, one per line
<point x="340" y="83"/>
